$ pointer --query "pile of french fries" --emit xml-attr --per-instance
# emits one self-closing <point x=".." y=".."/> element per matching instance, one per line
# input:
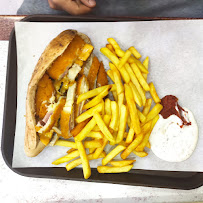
<point x="119" y="122"/>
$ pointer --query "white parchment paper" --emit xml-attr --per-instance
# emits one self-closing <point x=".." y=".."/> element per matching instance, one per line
<point x="175" y="49"/>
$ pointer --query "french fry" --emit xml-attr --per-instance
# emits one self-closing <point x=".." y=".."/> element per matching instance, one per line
<point x="86" y="130"/>
<point x="154" y="112"/>
<point x="77" y="162"/>
<point x="155" y="119"/>
<point x="120" y="53"/>
<point x="121" y="98"/>
<point x="115" y="116"/>
<point x="117" y="79"/>
<point x="141" y="146"/>
<point x="132" y="109"/>
<point x="113" y="42"/>
<point x="136" y="94"/>
<point x="66" y="158"/>
<point x="140" y="154"/>
<point x="135" y="52"/>
<point x="136" y="83"/>
<point x="148" y="145"/>
<point x="113" y="169"/>
<point x="122" y="163"/>
<point x="84" y="159"/>
<point x="146" y="65"/>
<point x="132" y="146"/>
<point x="125" y="135"/>
<point x="99" y="150"/>
<point x="91" y="93"/>
<point x="113" y="88"/>
<point x="112" y="57"/>
<point x="107" y="106"/>
<point x="91" y="150"/>
<point x="154" y="93"/>
<point x="146" y="127"/>
<point x="115" y="96"/>
<point x="97" y="99"/>
<point x="140" y="77"/>
<point x="141" y="116"/>
<point x="110" y="47"/>
<point x="93" y="143"/>
<point x="76" y="130"/>
<point x="124" y="59"/>
<point x="130" y="136"/>
<point x="122" y="123"/>
<point x="70" y="150"/>
<point x="66" y="143"/>
<point x="147" y="106"/>
<point x="87" y="144"/>
<point x="103" y="127"/>
<point x="96" y="135"/>
<point x="124" y="74"/>
<point x="106" y="119"/>
<point x="112" y="154"/>
<point x="89" y="113"/>
<point x="110" y="74"/>
<point x="141" y="66"/>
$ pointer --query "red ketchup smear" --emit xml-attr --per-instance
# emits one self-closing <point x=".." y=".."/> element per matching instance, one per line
<point x="169" y="103"/>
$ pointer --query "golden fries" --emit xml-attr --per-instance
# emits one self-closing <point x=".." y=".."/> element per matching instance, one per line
<point x="97" y="135"/>
<point x="135" y="52"/>
<point x="91" y="93"/>
<point x="76" y="130"/>
<point x="142" y="117"/>
<point x="140" y="154"/>
<point x="110" y="47"/>
<point x="99" y="150"/>
<point x="84" y="159"/>
<point x="130" y="136"/>
<point x="121" y="98"/>
<point x="124" y="59"/>
<point x="122" y="163"/>
<point x="141" y="66"/>
<point x="112" y="57"/>
<point x="132" y="146"/>
<point x="122" y="123"/>
<point x="148" y="145"/>
<point x="86" y="130"/>
<point x="97" y="99"/>
<point x="115" y="116"/>
<point x="112" y="154"/>
<point x="66" y="158"/>
<point x="107" y="106"/>
<point x="103" y="127"/>
<point x="136" y="83"/>
<point x="147" y="106"/>
<point x="132" y="109"/>
<point x="136" y="94"/>
<point x="66" y="143"/>
<point x="70" y="150"/>
<point x="77" y="162"/>
<point x="154" y="93"/>
<point x="140" y="77"/>
<point x="113" y="42"/>
<point x="113" y="169"/>
<point x="93" y="143"/>
<point x="154" y="112"/>
<point x="110" y="74"/>
<point x="89" y="113"/>
<point x="117" y="79"/>
<point x="91" y="150"/>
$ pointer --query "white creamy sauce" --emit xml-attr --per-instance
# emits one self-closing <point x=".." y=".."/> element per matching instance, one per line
<point x="172" y="143"/>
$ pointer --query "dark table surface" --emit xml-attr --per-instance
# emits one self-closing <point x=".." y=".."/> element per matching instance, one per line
<point x="6" y="25"/>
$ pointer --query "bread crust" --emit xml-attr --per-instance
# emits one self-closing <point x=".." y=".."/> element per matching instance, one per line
<point x="32" y="144"/>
